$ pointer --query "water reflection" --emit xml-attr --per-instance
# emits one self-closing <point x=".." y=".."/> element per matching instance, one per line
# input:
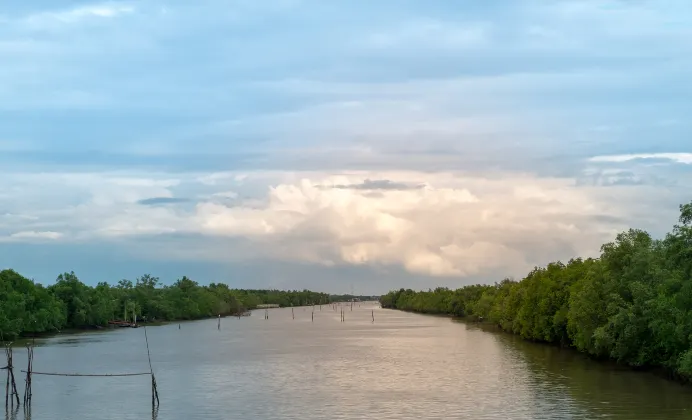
<point x="403" y="366"/>
<point x="597" y="389"/>
<point x="12" y="414"/>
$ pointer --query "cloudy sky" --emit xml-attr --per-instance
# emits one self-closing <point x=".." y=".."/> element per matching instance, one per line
<point x="337" y="144"/>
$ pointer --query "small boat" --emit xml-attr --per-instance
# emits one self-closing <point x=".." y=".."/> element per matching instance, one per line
<point x="125" y="323"/>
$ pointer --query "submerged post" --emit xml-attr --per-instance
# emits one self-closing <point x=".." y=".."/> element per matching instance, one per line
<point x="293" y="315"/>
<point x="219" y="325"/>
<point x="9" y="369"/>
<point x="373" y="315"/>
<point x="154" y="390"/>
<point x="27" y="381"/>
<point x="11" y="394"/>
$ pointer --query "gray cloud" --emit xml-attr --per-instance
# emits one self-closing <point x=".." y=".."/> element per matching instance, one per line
<point x="153" y="201"/>
<point x="379" y="184"/>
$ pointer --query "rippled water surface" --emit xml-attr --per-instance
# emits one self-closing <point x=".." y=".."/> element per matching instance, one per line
<point x="402" y="366"/>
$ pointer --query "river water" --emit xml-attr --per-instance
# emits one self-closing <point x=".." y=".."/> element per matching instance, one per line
<point x="402" y="366"/>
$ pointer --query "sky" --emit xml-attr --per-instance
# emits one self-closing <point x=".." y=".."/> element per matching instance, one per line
<point x="343" y="145"/>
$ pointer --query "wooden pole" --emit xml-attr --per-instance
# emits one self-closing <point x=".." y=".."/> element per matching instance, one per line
<point x="27" y="383"/>
<point x="373" y="315"/>
<point x="8" y="353"/>
<point x="14" y="384"/>
<point x="219" y="325"/>
<point x="154" y="390"/>
<point x="7" y="383"/>
<point x="154" y="393"/>
<point x="292" y="313"/>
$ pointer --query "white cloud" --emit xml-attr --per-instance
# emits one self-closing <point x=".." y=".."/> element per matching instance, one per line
<point x="456" y="224"/>
<point x="685" y="158"/>
<point x="431" y="34"/>
<point x="36" y="235"/>
<point x="49" y="20"/>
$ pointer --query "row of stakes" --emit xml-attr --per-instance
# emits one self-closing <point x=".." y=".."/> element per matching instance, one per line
<point x="293" y="315"/>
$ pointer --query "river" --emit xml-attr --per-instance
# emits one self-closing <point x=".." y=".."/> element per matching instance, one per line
<point x="402" y="366"/>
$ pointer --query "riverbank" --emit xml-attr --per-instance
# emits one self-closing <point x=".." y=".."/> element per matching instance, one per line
<point x="609" y="363"/>
<point x="632" y="304"/>
<point x="31" y="308"/>
<point x="23" y="339"/>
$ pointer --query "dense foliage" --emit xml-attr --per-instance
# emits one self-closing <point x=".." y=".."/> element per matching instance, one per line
<point x="29" y="307"/>
<point x="632" y="304"/>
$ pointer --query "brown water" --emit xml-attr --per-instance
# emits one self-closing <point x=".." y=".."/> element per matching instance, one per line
<point x="403" y="366"/>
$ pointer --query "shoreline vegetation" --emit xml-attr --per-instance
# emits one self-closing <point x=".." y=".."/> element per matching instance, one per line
<point x="631" y="305"/>
<point x="28" y="308"/>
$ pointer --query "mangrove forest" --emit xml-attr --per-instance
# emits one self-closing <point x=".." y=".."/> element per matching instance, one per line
<point x="28" y="307"/>
<point x="632" y="304"/>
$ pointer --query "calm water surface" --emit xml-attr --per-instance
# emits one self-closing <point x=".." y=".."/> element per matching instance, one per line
<point x="403" y="366"/>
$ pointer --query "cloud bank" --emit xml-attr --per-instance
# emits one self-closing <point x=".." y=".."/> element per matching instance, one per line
<point x="308" y="143"/>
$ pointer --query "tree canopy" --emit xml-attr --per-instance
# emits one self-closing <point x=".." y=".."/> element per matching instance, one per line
<point x="29" y="307"/>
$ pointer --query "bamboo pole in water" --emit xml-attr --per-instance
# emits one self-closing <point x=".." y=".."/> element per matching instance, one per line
<point x="11" y="393"/>
<point x="154" y="390"/>
<point x="293" y="314"/>
<point x="27" y="383"/>
<point x="7" y="383"/>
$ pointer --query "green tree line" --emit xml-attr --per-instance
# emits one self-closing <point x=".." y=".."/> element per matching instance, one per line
<point x="632" y="304"/>
<point x="28" y="307"/>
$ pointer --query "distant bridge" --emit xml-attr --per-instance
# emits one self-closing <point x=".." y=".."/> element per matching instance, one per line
<point x="267" y="305"/>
